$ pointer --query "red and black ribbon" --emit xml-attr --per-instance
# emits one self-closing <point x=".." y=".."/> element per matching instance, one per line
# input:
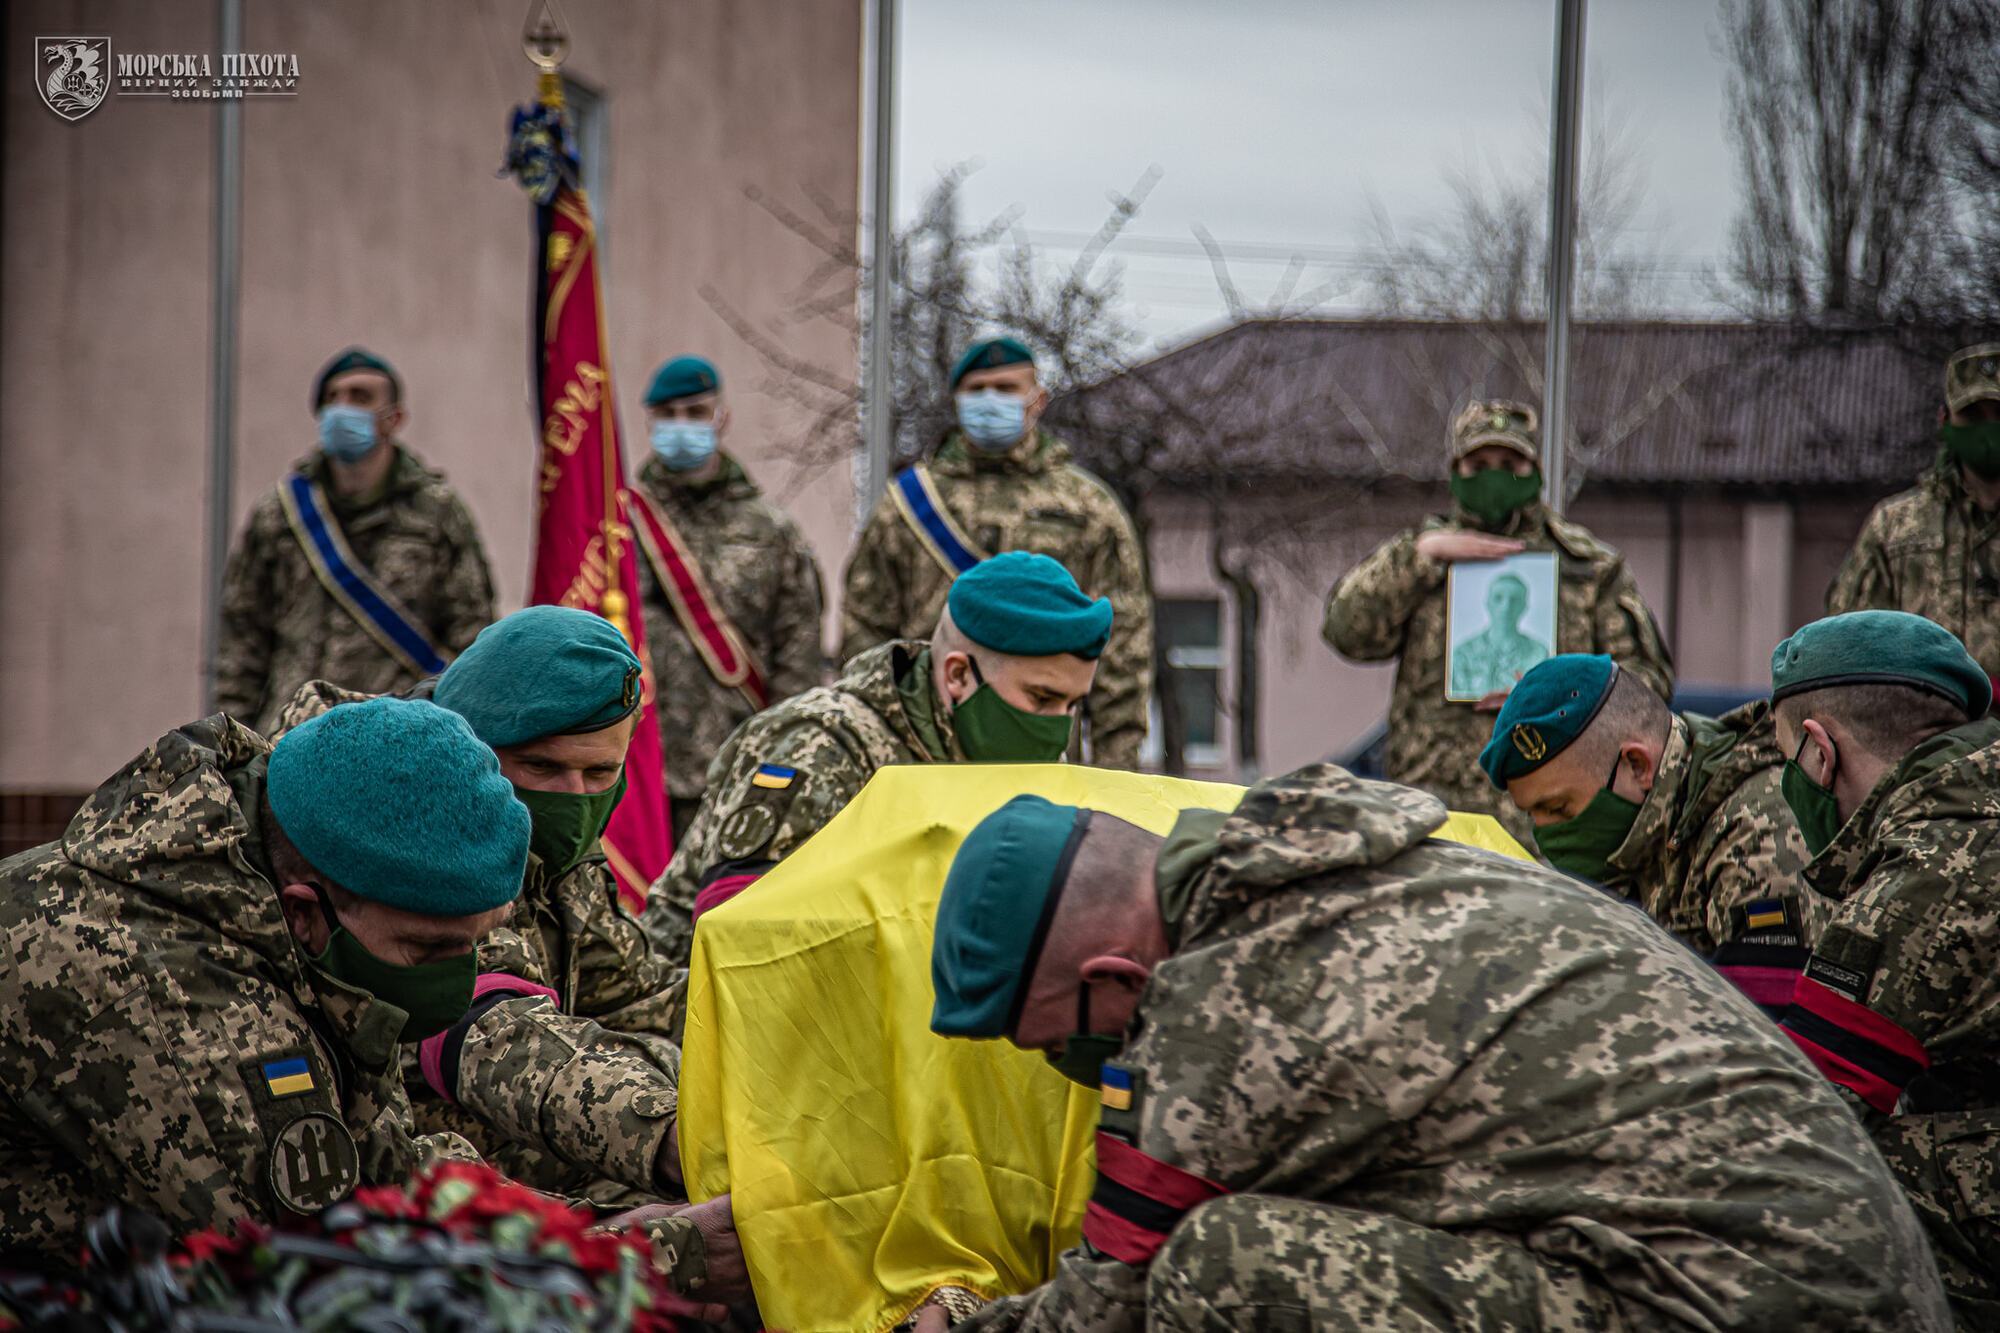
<point x="1138" y="1201"/>
<point x="1853" y="1045"/>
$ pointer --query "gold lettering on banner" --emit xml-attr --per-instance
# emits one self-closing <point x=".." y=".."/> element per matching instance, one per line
<point x="563" y="428"/>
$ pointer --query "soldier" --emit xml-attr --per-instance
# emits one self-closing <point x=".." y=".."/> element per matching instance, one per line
<point x="1000" y="681"/>
<point x="1001" y="483"/>
<point x="1368" y="1080"/>
<point x="1393" y="605"/>
<point x="731" y="590"/>
<point x="1893" y="771"/>
<point x="1932" y="550"/>
<point x="361" y="568"/>
<point x="203" y="983"/>
<point x="1680" y="814"/>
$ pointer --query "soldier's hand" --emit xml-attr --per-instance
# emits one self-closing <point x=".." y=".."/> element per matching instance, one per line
<point x="932" y="1319"/>
<point x="1491" y="703"/>
<point x="1445" y="547"/>
<point x="724" y="1276"/>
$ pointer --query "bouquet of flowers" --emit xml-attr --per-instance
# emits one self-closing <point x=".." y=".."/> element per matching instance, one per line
<point x="460" y="1248"/>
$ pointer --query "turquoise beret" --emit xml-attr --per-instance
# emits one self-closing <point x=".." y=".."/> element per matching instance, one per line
<point x="397" y="801"/>
<point x="543" y="671"/>
<point x="355" y="358"/>
<point x="991" y="354"/>
<point x="1548" y="708"/>
<point x="1027" y="605"/>
<point x="1881" y="648"/>
<point x="995" y="911"/>
<point x="682" y="377"/>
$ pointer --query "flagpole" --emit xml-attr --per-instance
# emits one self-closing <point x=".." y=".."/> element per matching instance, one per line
<point x="878" y="409"/>
<point x="1562" y="251"/>
<point x="225" y="308"/>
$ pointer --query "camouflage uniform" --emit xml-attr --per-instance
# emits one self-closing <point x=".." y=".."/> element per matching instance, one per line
<point x="1029" y="499"/>
<point x="1390" y="1155"/>
<point x="1714" y="835"/>
<point x="281" y="628"/>
<point x="1915" y="938"/>
<point x="573" y="1095"/>
<point x="147" y="978"/>
<point x="1393" y="605"/>
<point x="883" y="710"/>
<point x="764" y="578"/>
<point x="1930" y="551"/>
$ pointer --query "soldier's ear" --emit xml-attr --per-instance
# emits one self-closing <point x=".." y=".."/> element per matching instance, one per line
<point x="394" y="418"/>
<point x="300" y="904"/>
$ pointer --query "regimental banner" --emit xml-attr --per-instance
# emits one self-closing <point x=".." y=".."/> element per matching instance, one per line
<point x="584" y="551"/>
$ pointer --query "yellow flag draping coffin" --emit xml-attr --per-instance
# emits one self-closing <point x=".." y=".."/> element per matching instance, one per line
<point x="870" y="1161"/>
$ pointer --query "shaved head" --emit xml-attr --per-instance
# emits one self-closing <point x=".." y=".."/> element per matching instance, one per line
<point x="1621" y="749"/>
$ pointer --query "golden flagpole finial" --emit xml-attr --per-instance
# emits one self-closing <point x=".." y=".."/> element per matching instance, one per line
<point x="546" y="40"/>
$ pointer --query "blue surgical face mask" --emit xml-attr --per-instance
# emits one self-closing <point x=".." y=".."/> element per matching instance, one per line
<point x="346" y="434"/>
<point x="992" y="420"/>
<point x="683" y="445"/>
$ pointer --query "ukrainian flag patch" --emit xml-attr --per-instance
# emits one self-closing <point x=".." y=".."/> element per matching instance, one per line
<point x="1116" y="1088"/>
<point x="1764" y="912"/>
<point x="776" y="777"/>
<point x="287" y="1078"/>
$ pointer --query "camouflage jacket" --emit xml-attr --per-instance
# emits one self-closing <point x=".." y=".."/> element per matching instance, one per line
<point x="763" y="575"/>
<point x="1310" y="1038"/>
<point x="1032" y="499"/>
<point x="162" y="1042"/>
<point x="281" y="628"/>
<point x="571" y="1094"/>
<point x="1714" y="835"/>
<point x="1914" y="942"/>
<point x="1393" y="605"/>
<point x="1930" y="551"/>
<point x="824" y="745"/>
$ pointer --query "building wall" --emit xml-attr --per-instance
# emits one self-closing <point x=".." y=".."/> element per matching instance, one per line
<point x="1751" y="569"/>
<point x="372" y="213"/>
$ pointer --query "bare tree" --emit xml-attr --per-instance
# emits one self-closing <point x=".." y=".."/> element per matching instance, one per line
<point x="1847" y="124"/>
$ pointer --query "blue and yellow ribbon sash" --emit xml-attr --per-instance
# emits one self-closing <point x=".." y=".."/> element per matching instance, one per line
<point x="917" y="501"/>
<point x="349" y="582"/>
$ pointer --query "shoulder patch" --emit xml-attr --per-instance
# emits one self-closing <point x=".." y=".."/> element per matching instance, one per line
<point x="746" y="830"/>
<point x="774" y="777"/>
<point x="314" y="1164"/>
<point x="289" y="1077"/>
<point x="1121" y="1092"/>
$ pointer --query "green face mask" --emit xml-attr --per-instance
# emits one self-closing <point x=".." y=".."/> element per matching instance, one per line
<point x="434" y="995"/>
<point x="1084" y="1053"/>
<point x="1583" y="846"/>
<point x="1975" y="444"/>
<point x="993" y="731"/>
<point x="1492" y="494"/>
<point x="1815" y="807"/>
<point x="566" y="825"/>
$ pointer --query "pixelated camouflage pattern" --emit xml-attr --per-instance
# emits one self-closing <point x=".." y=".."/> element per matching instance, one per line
<point x="281" y="628"/>
<point x="1594" y="1130"/>
<point x="835" y="737"/>
<point x="146" y="972"/>
<point x="1030" y="499"/>
<point x="573" y="1098"/>
<point x="1971" y="374"/>
<point x="1715" y="833"/>
<point x="1916" y="875"/>
<point x="1496" y="421"/>
<point x="1392" y="605"/>
<point x="1930" y="551"/>
<point x="756" y="562"/>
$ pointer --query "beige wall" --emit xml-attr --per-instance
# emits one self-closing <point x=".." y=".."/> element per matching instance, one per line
<point x="1751" y="569"/>
<point x="372" y="214"/>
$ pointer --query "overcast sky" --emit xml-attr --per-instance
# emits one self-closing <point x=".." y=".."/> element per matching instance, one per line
<point x="1275" y="121"/>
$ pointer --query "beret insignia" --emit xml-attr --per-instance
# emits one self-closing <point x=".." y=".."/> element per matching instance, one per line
<point x="1528" y="740"/>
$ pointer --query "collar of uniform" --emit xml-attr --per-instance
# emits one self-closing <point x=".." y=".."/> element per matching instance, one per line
<point x="730" y="480"/>
<point x="918" y="693"/>
<point x="1844" y="863"/>
<point x="1177" y="868"/>
<point x="405" y="474"/>
<point x="1038" y="453"/>
<point x="366" y="1027"/>
<point x="1639" y="858"/>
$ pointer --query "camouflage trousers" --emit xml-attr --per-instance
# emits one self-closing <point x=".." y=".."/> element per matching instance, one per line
<point x="1257" y="1262"/>
<point x="1949" y="1165"/>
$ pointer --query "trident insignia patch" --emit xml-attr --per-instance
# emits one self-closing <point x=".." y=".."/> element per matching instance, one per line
<point x="1529" y="742"/>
